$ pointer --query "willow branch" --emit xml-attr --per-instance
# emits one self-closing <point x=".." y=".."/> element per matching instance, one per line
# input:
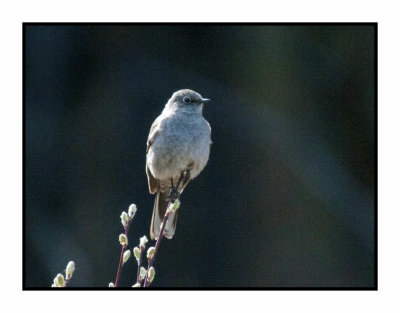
<point x="171" y="202"/>
<point x="120" y="264"/>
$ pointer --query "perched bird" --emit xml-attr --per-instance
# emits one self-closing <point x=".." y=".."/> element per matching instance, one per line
<point x="179" y="143"/>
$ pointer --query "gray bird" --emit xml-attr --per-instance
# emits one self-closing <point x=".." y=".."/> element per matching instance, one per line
<point x="179" y="140"/>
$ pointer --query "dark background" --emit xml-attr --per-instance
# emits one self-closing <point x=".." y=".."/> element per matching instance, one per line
<point x="287" y="198"/>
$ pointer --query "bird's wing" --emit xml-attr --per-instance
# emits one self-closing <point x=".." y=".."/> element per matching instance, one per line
<point x="151" y="180"/>
<point x="152" y="135"/>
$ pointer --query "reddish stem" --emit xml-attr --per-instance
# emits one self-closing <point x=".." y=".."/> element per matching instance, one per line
<point x="120" y="266"/>
<point x="126" y="228"/>
<point x="138" y="268"/>
<point x="151" y="261"/>
<point x="167" y="213"/>
<point x="67" y="279"/>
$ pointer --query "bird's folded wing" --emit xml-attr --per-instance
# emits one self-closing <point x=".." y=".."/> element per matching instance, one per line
<point x="150" y="178"/>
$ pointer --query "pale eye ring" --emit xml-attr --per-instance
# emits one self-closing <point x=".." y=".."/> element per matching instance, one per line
<point x="187" y="100"/>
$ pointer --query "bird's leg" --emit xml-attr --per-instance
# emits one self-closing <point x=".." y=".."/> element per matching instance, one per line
<point x="173" y="193"/>
<point x="183" y="179"/>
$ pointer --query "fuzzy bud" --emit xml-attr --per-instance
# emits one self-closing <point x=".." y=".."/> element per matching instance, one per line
<point x="136" y="252"/>
<point x="152" y="273"/>
<point x="132" y="210"/>
<point x="70" y="269"/>
<point x="59" y="280"/>
<point x="123" y="240"/>
<point x="143" y="272"/>
<point x="124" y="218"/>
<point x="143" y="241"/>
<point x="111" y="285"/>
<point x="127" y="255"/>
<point x="174" y="206"/>
<point x="150" y="252"/>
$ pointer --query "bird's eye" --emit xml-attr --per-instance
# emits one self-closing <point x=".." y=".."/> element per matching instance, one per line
<point x="187" y="100"/>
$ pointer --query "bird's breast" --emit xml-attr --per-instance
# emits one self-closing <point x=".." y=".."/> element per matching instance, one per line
<point x="180" y="142"/>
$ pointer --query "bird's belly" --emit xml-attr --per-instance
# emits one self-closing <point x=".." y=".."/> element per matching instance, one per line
<point x="170" y="155"/>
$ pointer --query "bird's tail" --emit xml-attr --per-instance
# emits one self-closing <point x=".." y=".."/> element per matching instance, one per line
<point x="160" y="207"/>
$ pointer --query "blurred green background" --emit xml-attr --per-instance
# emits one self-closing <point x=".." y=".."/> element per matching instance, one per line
<point x="287" y="197"/>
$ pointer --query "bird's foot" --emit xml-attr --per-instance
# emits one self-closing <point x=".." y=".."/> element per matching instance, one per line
<point x="173" y="194"/>
<point x="174" y="191"/>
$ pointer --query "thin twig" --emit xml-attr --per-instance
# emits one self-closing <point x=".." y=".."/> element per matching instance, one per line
<point x="67" y="279"/>
<point x="164" y="222"/>
<point x="120" y="264"/>
<point x="151" y="261"/>
<point x="138" y="280"/>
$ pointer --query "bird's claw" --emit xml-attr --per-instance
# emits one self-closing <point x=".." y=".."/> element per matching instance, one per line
<point x="173" y="194"/>
<point x="174" y="191"/>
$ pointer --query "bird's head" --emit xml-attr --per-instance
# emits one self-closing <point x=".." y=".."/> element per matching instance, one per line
<point x="186" y="100"/>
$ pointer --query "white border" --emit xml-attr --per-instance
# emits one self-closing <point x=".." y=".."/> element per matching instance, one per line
<point x="14" y="13"/>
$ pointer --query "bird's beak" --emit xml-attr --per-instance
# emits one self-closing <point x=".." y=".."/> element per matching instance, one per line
<point x="205" y="100"/>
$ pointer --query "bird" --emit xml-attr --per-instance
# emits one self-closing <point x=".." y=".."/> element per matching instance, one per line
<point x="178" y="149"/>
